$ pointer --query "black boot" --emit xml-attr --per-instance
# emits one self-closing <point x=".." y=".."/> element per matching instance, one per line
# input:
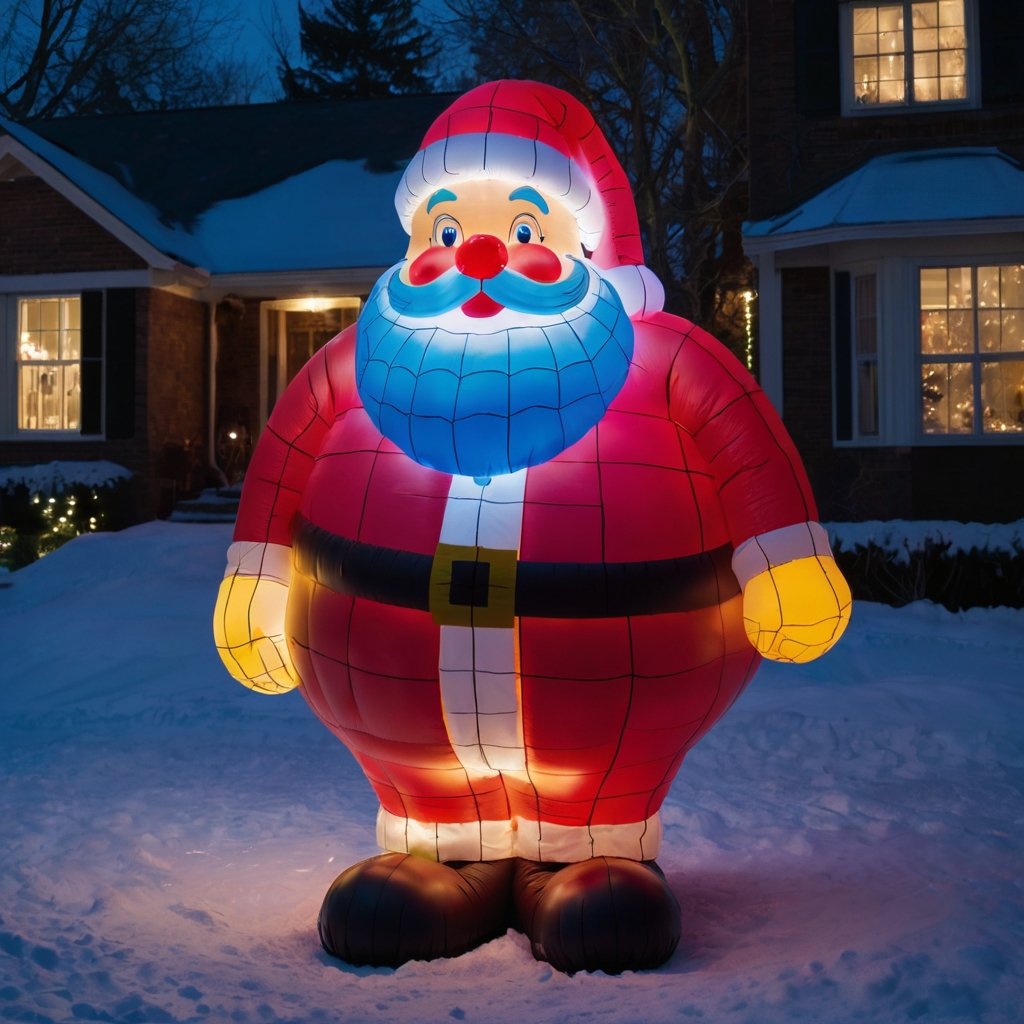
<point x="606" y="914"/>
<point x="396" y="907"/>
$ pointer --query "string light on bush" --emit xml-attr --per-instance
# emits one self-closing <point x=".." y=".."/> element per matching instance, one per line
<point x="748" y="325"/>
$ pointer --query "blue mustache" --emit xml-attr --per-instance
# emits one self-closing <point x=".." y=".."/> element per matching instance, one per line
<point x="509" y="288"/>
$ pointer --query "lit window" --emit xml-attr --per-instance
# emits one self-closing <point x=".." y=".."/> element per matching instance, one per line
<point x="908" y="53"/>
<point x="49" y="363"/>
<point x="972" y="350"/>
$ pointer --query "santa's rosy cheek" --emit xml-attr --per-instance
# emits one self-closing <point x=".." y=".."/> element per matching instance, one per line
<point x="536" y="262"/>
<point x="431" y="264"/>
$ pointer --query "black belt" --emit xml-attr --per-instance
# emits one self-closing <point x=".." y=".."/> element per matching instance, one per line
<point x="487" y="587"/>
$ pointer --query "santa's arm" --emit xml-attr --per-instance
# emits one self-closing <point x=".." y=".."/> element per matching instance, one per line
<point x="796" y="603"/>
<point x="248" y="621"/>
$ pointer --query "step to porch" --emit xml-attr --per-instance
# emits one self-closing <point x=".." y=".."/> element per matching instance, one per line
<point x="214" y="505"/>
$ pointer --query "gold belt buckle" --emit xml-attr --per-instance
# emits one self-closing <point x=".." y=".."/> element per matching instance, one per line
<point x="471" y="586"/>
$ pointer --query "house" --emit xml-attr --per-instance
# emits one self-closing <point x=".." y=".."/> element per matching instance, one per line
<point x="164" y="275"/>
<point x="887" y="227"/>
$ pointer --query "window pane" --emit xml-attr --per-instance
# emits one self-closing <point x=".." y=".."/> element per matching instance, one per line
<point x="72" y="398"/>
<point x="961" y="331"/>
<point x="867" y="397"/>
<point x="865" y="78"/>
<point x="1002" y="397"/>
<point x="947" y="392"/>
<point x="891" y="92"/>
<point x="934" y="333"/>
<point x="890" y="18"/>
<point x="988" y="330"/>
<point x="988" y="287"/>
<point x="30" y="315"/>
<point x="890" y="69"/>
<point x="925" y="15"/>
<point x="865" y="315"/>
<point x="926" y="39"/>
<point x="865" y="19"/>
<point x="865" y="44"/>
<point x="952" y="88"/>
<point x="926" y="90"/>
<point x="933" y="288"/>
<point x="1013" y="330"/>
<point x="952" y="39"/>
<point x="926" y="65"/>
<point x="49" y="314"/>
<point x="1012" y="290"/>
<point x="951" y="62"/>
<point x="951" y="12"/>
<point x="960" y="294"/>
<point x="41" y="406"/>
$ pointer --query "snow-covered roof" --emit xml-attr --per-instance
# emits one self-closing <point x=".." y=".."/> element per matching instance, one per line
<point x="924" y="186"/>
<point x="277" y="187"/>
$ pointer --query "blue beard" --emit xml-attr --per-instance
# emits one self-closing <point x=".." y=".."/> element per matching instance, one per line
<point x="466" y="400"/>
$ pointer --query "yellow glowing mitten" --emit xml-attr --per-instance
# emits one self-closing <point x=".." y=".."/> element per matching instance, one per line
<point x="796" y="611"/>
<point x="248" y="622"/>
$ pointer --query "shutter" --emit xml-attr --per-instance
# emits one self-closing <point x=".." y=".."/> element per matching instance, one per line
<point x="842" y="373"/>
<point x="1002" y="46"/>
<point x="92" y="362"/>
<point x="120" y="364"/>
<point x="816" y="36"/>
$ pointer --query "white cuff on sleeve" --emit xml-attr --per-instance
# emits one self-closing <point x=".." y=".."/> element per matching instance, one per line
<point x="268" y="561"/>
<point x="777" y="547"/>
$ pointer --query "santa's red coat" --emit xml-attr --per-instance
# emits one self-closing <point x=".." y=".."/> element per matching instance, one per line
<point x="689" y="456"/>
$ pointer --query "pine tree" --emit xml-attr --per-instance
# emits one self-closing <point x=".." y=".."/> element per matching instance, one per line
<point x="359" y="48"/>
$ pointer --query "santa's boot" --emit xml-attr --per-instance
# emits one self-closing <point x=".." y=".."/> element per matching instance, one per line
<point x="397" y="907"/>
<point x="606" y="914"/>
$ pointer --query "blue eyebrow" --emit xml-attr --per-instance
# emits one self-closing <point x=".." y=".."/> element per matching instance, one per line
<point x="442" y="195"/>
<point x="531" y="195"/>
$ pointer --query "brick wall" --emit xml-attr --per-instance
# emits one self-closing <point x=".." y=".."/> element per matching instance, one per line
<point x="793" y="156"/>
<point x="41" y="232"/>
<point x="170" y="403"/>
<point x="176" y="391"/>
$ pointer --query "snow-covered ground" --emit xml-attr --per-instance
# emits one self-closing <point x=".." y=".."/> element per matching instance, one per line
<point x="846" y="844"/>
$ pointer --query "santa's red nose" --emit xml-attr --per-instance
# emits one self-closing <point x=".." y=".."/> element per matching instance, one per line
<point x="481" y="256"/>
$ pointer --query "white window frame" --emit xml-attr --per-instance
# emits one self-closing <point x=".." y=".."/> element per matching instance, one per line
<point x="850" y="108"/>
<point x="9" y="395"/>
<point x="883" y="356"/>
<point x="978" y="436"/>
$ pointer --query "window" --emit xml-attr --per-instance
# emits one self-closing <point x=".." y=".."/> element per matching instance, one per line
<point x="48" y="362"/>
<point x="972" y="350"/>
<point x="907" y="54"/>
<point x="865" y="334"/>
<point x="291" y="331"/>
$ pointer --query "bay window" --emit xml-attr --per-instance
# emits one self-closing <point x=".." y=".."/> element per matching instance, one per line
<point x="971" y="350"/>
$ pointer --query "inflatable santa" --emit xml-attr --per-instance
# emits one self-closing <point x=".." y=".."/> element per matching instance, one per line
<point x="521" y="538"/>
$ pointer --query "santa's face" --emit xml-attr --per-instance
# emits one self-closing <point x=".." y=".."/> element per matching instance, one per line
<point x="495" y="345"/>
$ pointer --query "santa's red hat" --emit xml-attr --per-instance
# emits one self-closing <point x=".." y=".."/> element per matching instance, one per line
<point x="534" y="134"/>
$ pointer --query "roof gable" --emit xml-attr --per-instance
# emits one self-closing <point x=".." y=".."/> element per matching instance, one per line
<point x="272" y="187"/>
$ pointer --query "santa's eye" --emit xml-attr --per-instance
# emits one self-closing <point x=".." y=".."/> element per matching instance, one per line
<point x="447" y="231"/>
<point x="525" y="229"/>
